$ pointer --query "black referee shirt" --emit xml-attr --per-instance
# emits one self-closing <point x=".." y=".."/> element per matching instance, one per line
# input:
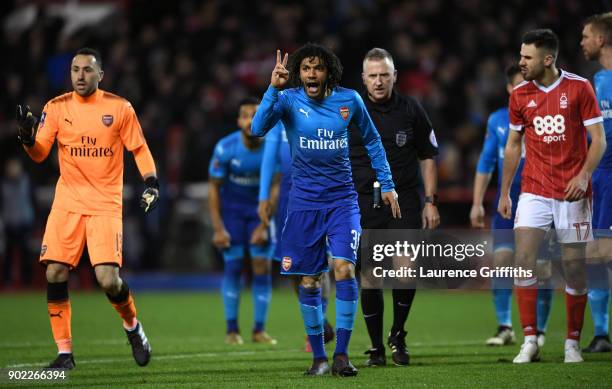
<point x="407" y="136"/>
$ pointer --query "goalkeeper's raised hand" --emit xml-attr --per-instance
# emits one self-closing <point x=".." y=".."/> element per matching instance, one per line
<point x="150" y="196"/>
<point x="26" y="125"/>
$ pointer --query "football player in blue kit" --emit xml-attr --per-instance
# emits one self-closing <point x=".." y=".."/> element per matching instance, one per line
<point x="233" y="200"/>
<point x="323" y="202"/>
<point x="597" y="46"/>
<point x="273" y="199"/>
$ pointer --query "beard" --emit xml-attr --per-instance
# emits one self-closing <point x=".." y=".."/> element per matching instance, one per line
<point x="591" y="56"/>
<point x="249" y="136"/>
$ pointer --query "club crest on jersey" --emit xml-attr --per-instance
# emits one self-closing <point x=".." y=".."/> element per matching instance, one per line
<point x="107" y="120"/>
<point x="563" y="101"/>
<point x="344" y="112"/>
<point x="286" y="263"/>
<point x="432" y="138"/>
<point x="400" y="138"/>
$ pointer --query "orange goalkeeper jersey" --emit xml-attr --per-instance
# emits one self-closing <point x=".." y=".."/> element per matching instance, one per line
<point x="91" y="133"/>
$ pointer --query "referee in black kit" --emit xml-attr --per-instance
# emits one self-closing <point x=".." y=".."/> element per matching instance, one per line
<point x="409" y="141"/>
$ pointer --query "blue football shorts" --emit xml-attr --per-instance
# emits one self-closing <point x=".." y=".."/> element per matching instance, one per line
<point x="308" y="235"/>
<point x="240" y="226"/>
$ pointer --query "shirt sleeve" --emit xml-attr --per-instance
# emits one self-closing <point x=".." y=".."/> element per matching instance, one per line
<point x="219" y="161"/>
<point x="48" y="126"/>
<point x="270" y="160"/>
<point x="131" y="132"/>
<point x="516" y="118"/>
<point x="270" y="111"/>
<point x="488" y="155"/>
<point x="45" y="135"/>
<point x="372" y="143"/>
<point x="589" y="108"/>
<point x="426" y="143"/>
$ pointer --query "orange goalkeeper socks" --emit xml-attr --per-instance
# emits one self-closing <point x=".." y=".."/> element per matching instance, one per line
<point x="58" y="305"/>
<point x="124" y="305"/>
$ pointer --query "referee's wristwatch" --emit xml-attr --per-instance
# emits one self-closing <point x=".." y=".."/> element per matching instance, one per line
<point x="433" y="200"/>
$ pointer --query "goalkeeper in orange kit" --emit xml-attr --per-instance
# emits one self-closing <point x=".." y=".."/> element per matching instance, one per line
<point x="91" y="128"/>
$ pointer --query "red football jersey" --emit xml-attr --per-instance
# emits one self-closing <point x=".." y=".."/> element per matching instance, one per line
<point x="554" y="120"/>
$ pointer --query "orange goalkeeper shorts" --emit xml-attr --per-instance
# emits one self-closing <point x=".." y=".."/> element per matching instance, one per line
<point x="66" y="234"/>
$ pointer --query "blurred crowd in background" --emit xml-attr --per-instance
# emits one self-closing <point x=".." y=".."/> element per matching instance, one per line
<point x="184" y="65"/>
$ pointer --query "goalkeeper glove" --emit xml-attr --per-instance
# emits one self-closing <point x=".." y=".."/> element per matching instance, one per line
<point x="150" y="196"/>
<point x="26" y="125"/>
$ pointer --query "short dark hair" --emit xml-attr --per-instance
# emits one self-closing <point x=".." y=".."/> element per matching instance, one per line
<point x="511" y="71"/>
<point x="602" y="23"/>
<point x="543" y="37"/>
<point x="93" y="52"/>
<point x="249" y="100"/>
<point x="378" y="54"/>
<point x="327" y="57"/>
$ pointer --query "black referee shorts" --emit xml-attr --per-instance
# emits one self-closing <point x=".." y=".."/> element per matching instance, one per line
<point x="382" y="218"/>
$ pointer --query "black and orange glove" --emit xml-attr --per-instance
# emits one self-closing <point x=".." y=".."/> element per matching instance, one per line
<point x="26" y="125"/>
<point x="150" y="196"/>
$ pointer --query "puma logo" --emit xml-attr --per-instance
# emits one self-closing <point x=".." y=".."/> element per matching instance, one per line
<point x="59" y="314"/>
<point x="302" y="110"/>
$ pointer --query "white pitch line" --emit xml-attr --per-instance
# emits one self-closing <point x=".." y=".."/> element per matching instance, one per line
<point x="478" y="342"/>
<point x="97" y="342"/>
<point x="156" y="357"/>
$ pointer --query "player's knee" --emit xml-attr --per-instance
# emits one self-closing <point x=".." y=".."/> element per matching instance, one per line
<point x="544" y="269"/>
<point x="57" y="272"/>
<point x="311" y="282"/>
<point x="524" y="259"/>
<point x="108" y="281"/>
<point x="503" y="257"/>
<point x="260" y="266"/>
<point x="343" y="270"/>
<point x="574" y="268"/>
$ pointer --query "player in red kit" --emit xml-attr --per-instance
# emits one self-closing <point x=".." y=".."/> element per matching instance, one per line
<point x="551" y="110"/>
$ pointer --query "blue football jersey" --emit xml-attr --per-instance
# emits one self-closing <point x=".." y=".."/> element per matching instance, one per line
<point x="603" y="90"/>
<point x="276" y="158"/>
<point x="318" y="139"/>
<point x="493" y="149"/>
<point x="239" y="167"/>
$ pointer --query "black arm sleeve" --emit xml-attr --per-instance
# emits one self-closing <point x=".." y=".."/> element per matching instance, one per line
<point x="426" y="144"/>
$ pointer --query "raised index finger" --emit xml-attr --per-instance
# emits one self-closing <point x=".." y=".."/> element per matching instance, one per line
<point x="278" y="57"/>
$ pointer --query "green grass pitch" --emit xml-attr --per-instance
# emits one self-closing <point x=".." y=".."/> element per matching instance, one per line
<point x="446" y="333"/>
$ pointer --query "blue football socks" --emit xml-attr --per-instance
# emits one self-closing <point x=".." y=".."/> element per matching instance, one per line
<point x="346" y="307"/>
<point x="599" y="297"/>
<point x="502" y="298"/>
<point x="312" y="314"/>
<point x="545" y="295"/>
<point x="262" y="292"/>
<point x="230" y="290"/>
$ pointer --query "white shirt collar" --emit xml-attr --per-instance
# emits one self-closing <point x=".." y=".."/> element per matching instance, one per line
<point x="552" y="86"/>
